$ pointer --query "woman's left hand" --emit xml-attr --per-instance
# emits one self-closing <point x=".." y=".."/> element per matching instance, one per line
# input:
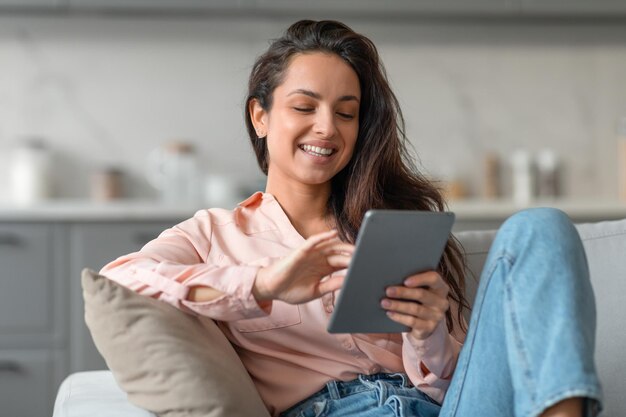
<point x="421" y="303"/>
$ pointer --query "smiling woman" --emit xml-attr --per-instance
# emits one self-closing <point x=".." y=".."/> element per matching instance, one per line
<point x="328" y="132"/>
<point x="312" y="126"/>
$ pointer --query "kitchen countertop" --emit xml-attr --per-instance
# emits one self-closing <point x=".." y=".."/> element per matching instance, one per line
<point x="148" y="210"/>
<point x="592" y="210"/>
<point x="88" y="211"/>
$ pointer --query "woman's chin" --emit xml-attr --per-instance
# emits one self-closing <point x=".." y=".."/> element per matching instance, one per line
<point x="316" y="181"/>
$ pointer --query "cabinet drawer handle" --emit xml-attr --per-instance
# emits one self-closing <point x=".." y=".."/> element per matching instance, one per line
<point x="10" y="366"/>
<point x="9" y="239"/>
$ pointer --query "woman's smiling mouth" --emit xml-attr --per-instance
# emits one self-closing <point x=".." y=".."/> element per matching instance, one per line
<point x="316" y="150"/>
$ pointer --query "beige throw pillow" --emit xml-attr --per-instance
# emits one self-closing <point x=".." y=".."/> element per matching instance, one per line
<point x="169" y="362"/>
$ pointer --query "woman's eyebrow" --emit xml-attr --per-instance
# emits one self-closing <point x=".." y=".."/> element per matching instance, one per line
<point x="349" y="98"/>
<point x="306" y="93"/>
<point x="317" y="96"/>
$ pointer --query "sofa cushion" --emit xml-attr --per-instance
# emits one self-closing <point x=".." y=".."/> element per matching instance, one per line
<point x="476" y="246"/>
<point x="94" y="394"/>
<point x="169" y="362"/>
<point x="605" y="247"/>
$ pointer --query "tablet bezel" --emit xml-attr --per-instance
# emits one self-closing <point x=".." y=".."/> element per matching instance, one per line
<point x="412" y="241"/>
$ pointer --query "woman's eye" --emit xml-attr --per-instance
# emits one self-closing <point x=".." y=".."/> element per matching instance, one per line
<point x="303" y="109"/>
<point x="346" y="116"/>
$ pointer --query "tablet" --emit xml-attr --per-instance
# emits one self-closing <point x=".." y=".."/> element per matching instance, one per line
<point x="390" y="246"/>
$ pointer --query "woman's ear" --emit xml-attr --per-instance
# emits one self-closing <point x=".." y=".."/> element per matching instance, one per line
<point x="258" y="118"/>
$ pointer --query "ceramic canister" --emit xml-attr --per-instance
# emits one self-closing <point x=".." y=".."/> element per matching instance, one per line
<point x="30" y="172"/>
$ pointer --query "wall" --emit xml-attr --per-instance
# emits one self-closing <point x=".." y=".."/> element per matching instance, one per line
<point x="106" y="91"/>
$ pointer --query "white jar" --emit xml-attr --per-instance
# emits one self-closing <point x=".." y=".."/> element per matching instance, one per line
<point x="173" y="170"/>
<point x="547" y="174"/>
<point x="523" y="177"/>
<point x="30" y="172"/>
<point x="221" y="191"/>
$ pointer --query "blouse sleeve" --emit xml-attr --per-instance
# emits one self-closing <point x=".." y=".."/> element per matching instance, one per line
<point x="438" y="354"/>
<point x="168" y="266"/>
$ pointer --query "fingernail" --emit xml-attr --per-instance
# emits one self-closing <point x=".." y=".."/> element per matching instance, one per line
<point x="385" y="303"/>
<point x="391" y="291"/>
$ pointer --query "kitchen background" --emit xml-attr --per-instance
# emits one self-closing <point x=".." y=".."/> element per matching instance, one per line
<point x="105" y="91"/>
<point x="483" y="87"/>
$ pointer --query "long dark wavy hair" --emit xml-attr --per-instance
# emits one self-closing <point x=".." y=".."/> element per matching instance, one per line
<point x="381" y="173"/>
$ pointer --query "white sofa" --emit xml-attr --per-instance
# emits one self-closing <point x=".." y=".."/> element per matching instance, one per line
<point x="94" y="394"/>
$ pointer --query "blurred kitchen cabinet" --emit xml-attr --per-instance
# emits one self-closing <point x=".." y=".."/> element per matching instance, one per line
<point x="92" y="245"/>
<point x="43" y="337"/>
<point x="295" y="7"/>
<point x="26" y="283"/>
<point x="397" y="7"/>
<point x="30" y="4"/>
<point x="332" y="8"/>
<point x="161" y="5"/>
<point x="27" y="382"/>
<point x="33" y="304"/>
<point x="574" y="7"/>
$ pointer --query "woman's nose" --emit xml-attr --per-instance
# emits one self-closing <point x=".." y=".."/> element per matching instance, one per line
<point x="325" y="124"/>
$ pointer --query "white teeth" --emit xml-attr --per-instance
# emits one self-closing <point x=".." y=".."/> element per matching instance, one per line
<point x="317" y="150"/>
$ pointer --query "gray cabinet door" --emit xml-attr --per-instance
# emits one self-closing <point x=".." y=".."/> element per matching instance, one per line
<point x="27" y="284"/>
<point x="93" y="245"/>
<point x="26" y="383"/>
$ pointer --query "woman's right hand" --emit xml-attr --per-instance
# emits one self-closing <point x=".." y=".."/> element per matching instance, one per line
<point x="304" y="274"/>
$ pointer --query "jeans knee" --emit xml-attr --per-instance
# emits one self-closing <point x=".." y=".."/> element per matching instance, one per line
<point x="541" y="220"/>
<point x="545" y="229"/>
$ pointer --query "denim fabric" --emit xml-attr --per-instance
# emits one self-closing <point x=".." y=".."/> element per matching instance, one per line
<point x="530" y="341"/>
<point x="531" y="338"/>
<point x="378" y="395"/>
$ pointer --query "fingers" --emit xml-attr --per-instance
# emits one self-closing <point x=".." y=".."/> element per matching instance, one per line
<point x="412" y="309"/>
<point x="421" y="303"/>
<point x="337" y="253"/>
<point x="430" y="279"/>
<point x="337" y="248"/>
<point x="316" y="239"/>
<point x="420" y="296"/>
<point x="339" y="261"/>
<point x="331" y="284"/>
<point x="421" y="329"/>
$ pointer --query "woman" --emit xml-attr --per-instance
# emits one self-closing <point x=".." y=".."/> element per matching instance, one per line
<point x="328" y="132"/>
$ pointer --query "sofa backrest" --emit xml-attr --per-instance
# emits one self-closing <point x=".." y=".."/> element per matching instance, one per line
<point x="605" y="247"/>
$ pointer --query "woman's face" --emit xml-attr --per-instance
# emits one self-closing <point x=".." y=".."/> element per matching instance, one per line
<point x="314" y="120"/>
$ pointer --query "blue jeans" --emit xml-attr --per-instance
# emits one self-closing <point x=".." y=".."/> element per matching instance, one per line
<point x="378" y="395"/>
<point x="530" y="341"/>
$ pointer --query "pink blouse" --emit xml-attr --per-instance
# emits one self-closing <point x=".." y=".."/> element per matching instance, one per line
<point x="285" y="348"/>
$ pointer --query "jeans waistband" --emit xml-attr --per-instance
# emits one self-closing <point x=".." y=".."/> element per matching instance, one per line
<point x="342" y="389"/>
